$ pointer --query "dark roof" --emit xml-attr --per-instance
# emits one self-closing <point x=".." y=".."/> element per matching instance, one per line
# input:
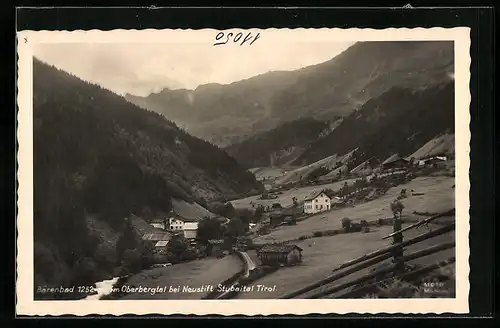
<point x="142" y="227"/>
<point x="314" y="194"/>
<point x="190" y="211"/>
<point x="393" y="158"/>
<point x="278" y="248"/>
<point x="157" y="236"/>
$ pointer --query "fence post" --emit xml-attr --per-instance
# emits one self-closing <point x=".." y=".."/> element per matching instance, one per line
<point x="398" y="239"/>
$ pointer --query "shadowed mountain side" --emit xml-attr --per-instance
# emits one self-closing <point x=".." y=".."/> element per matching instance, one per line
<point x="279" y="146"/>
<point x="95" y="154"/>
<point x="399" y="121"/>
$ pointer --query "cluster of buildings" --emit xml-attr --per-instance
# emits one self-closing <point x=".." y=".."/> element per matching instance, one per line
<point x="182" y="220"/>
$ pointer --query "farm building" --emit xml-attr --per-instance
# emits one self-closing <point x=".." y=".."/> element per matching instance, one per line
<point x="317" y="201"/>
<point x="433" y="161"/>
<point x="280" y="254"/>
<point x="157" y="239"/>
<point x="394" y="162"/>
<point x="161" y="246"/>
<point x="161" y="224"/>
<point x="190" y="230"/>
<point x="287" y="214"/>
<point x="215" y="247"/>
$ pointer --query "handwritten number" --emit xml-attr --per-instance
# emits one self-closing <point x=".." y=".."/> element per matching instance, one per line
<point x="218" y="37"/>
<point x="236" y="39"/>
<point x="256" y="37"/>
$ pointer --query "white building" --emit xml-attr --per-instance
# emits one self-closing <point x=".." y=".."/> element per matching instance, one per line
<point x="184" y="218"/>
<point x="175" y="224"/>
<point x="317" y="202"/>
<point x="190" y="230"/>
<point x="157" y="225"/>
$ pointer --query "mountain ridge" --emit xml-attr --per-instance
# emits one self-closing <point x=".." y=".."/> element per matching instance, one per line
<point x="229" y="114"/>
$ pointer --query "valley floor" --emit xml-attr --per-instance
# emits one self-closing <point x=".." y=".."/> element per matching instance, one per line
<point x="437" y="196"/>
<point x="321" y="255"/>
<point x="286" y="198"/>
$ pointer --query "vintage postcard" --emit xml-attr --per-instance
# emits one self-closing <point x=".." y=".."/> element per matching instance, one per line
<point x="244" y="171"/>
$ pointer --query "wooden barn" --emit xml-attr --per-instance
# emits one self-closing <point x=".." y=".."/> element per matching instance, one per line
<point x="280" y="254"/>
<point x="215" y="247"/>
<point x="394" y="162"/>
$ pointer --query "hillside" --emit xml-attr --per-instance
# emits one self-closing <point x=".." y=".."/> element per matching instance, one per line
<point x="95" y="154"/>
<point x="399" y="121"/>
<point x="444" y="144"/>
<point x="279" y="146"/>
<point x="227" y="114"/>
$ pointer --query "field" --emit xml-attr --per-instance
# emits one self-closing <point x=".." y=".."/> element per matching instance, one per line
<point x="268" y="172"/>
<point x="321" y="255"/>
<point x="208" y="271"/>
<point x="285" y="199"/>
<point x="438" y="195"/>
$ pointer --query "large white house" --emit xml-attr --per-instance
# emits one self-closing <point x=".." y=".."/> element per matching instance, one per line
<point x="184" y="218"/>
<point x="316" y="202"/>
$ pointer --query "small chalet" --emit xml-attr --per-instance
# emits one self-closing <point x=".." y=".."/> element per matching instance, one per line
<point x="317" y="201"/>
<point x="394" y="162"/>
<point x="280" y="254"/>
<point x="432" y="161"/>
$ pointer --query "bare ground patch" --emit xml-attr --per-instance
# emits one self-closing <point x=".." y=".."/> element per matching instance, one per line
<point x="208" y="271"/>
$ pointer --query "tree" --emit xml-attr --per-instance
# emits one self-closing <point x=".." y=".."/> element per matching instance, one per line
<point x="412" y="161"/>
<point x="235" y="228"/>
<point x="126" y="240"/>
<point x="84" y="271"/>
<point x="259" y="211"/>
<point x="397" y="208"/>
<point x="346" y="224"/>
<point x="132" y="260"/>
<point x="209" y="228"/>
<point x="176" y="246"/>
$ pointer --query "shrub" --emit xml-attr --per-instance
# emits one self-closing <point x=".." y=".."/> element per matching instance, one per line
<point x="363" y="223"/>
<point x="302" y="237"/>
<point x="318" y="234"/>
<point x="346" y="224"/>
<point x="331" y="232"/>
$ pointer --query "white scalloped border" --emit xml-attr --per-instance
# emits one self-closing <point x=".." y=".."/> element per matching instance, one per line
<point x="24" y="285"/>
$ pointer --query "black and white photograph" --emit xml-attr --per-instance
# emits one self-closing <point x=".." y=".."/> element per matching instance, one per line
<point x="244" y="164"/>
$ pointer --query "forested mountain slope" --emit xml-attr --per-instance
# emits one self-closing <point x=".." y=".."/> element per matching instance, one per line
<point x="98" y="155"/>
<point x="399" y="121"/>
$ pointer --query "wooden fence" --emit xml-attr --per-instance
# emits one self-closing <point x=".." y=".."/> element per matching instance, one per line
<point x="324" y="287"/>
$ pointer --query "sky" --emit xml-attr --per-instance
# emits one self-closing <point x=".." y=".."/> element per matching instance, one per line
<point x="142" y="68"/>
